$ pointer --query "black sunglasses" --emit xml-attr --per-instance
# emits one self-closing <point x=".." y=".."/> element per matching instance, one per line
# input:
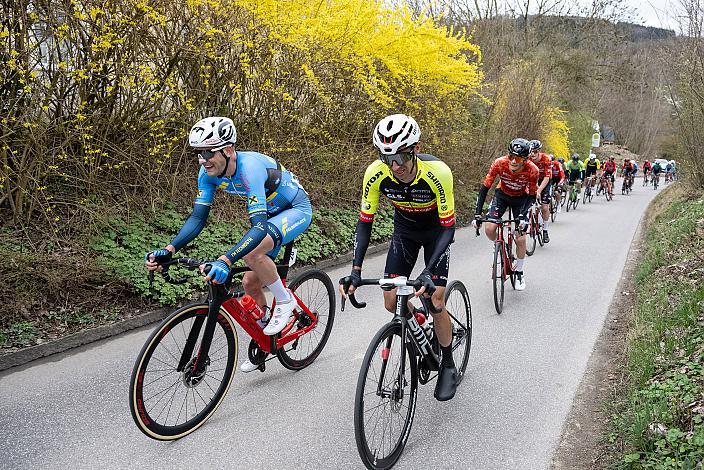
<point x="399" y="158"/>
<point x="208" y="154"/>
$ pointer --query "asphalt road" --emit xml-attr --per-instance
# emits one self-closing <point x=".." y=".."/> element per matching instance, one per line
<point x="71" y="410"/>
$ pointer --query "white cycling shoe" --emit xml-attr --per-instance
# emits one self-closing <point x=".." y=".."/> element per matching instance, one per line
<point x="520" y="282"/>
<point x="247" y="366"/>
<point x="280" y="317"/>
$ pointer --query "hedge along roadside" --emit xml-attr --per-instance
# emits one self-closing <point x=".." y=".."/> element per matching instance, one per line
<point x="659" y="421"/>
<point x="325" y="244"/>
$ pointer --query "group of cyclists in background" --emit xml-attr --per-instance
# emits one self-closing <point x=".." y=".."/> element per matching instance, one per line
<point x="418" y="185"/>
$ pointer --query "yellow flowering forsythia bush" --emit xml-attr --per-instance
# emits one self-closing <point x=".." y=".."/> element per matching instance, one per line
<point x="524" y="107"/>
<point x="97" y="96"/>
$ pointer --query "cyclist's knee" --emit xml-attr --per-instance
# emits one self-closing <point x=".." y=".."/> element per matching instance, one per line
<point x="250" y="282"/>
<point x="390" y="300"/>
<point x="438" y="297"/>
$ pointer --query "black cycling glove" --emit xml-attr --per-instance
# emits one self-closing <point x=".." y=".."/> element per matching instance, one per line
<point x="354" y="280"/>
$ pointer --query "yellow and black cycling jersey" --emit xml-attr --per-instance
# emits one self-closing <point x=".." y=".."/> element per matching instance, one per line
<point x="596" y="165"/>
<point x="425" y="202"/>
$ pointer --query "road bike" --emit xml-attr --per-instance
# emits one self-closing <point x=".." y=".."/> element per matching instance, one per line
<point x="606" y="186"/>
<point x="627" y="186"/>
<point x="646" y="180"/>
<point x="535" y="232"/>
<point x="656" y="180"/>
<point x="573" y="198"/>
<point x="587" y="195"/>
<point x="554" y="202"/>
<point x="504" y="257"/>
<point x="186" y="366"/>
<point x="402" y="354"/>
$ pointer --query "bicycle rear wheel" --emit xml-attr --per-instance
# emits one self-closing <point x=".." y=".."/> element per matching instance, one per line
<point x="460" y="310"/>
<point x="316" y="291"/>
<point x="385" y="400"/>
<point x="497" y="275"/>
<point x="167" y="404"/>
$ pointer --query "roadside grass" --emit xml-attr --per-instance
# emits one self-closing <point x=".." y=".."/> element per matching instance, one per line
<point x="659" y="421"/>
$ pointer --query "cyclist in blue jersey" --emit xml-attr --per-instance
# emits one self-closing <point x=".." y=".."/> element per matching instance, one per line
<point x="278" y="207"/>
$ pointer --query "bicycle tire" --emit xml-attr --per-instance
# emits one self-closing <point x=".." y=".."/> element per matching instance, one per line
<point x="157" y="427"/>
<point x="497" y="274"/>
<point x="532" y="230"/>
<point x="459" y="308"/>
<point x="387" y="341"/>
<point x="326" y="317"/>
<point x="569" y="201"/>
<point x="591" y="195"/>
<point x="575" y="203"/>
<point x="538" y="231"/>
<point x="584" y="195"/>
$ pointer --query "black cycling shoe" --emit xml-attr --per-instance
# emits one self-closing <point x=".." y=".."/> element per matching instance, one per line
<point x="546" y="237"/>
<point x="447" y="383"/>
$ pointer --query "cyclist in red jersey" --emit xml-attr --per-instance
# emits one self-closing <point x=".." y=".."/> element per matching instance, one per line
<point x="542" y="161"/>
<point x="647" y="167"/>
<point x="517" y="190"/>
<point x="558" y="178"/>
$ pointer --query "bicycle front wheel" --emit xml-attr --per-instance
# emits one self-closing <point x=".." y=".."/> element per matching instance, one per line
<point x="498" y="277"/>
<point x="532" y="236"/>
<point x="317" y="293"/>
<point x="385" y="400"/>
<point x="460" y="310"/>
<point x="166" y="403"/>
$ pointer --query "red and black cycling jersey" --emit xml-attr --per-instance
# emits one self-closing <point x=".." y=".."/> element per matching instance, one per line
<point x="557" y="171"/>
<point x="609" y="166"/>
<point x="512" y="183"/>
<point x="542" y="161"/>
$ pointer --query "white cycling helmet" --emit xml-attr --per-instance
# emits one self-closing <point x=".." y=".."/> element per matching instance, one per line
<point x="592" y="156"/>
<point x="212" y="132"/>
<point x="396" y="133"/>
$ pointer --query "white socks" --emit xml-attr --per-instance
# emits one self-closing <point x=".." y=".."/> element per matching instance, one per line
<point x="280" y="293"/>
<point x="519" y="264"/>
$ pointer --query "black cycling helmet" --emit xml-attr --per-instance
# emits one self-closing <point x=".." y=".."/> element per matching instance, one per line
<point x="561" y="160"/>
<point x="520" y="147"/>
<point x="575" y="156"/>
<point x="535" y="145"/>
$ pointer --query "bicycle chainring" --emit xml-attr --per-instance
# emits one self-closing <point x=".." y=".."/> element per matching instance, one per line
<point x="256" y="354"/>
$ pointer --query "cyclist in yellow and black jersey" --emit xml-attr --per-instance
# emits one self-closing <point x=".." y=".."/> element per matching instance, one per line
<point x="591" y="166"/>
<point x="425" y="202"/>
<point x="420" y="188"/>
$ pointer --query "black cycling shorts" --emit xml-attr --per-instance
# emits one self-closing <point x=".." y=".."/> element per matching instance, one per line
<point x="590" y="171"/>
<point x="403" y="253"/>
<point x="574" y="176"/>
<point x="555" y="180"/>
<point x="546" y="195"/>
<point x="501" y="202"/>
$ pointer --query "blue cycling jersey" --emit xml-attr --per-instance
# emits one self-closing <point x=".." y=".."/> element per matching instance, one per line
<point x="265" y="183"/>
<point x="277" y="204"/>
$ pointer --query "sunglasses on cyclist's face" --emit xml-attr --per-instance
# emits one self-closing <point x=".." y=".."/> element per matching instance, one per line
<point x="208" y="154"/>
<point x="516" y="158"/>
<point x="399" y="158"/>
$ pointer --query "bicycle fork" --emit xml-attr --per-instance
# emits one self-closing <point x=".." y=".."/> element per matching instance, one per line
<point x="417" y="336"/>
<point x="218" y="294"/>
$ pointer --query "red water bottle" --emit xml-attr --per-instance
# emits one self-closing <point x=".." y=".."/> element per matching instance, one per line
<point x="421" y="319"/>
<point x="251" y="307"/>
